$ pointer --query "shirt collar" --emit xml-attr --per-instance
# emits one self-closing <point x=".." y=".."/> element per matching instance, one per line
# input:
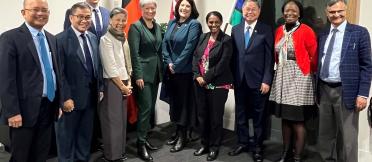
<point x="92" y="8"/>
<point x="33" y="30"/>
<point x="341" y="28"/>
<point x="77" y="32"/>
<point x="253" y="25"/>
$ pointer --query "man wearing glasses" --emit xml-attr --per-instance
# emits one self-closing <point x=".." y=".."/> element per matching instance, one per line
<point x="100" y="19"/>
<point x="78" y="49"/>
<point x="30" y="81"/>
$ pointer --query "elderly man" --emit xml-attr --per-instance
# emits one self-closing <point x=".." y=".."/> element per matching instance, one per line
<point x="81" y="65"/>
<point x="252" y="67"/>
<point x="29" y="77"/>
<point x="344" y="78"/>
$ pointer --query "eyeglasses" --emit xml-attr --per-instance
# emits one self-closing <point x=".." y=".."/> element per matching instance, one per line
<point x="81" y="17"/>
<point x="37" y="10"/>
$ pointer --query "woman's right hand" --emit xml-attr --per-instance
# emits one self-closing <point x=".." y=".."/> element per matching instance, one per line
<point x="126" y="90"/>
<point x="201" y="81"/>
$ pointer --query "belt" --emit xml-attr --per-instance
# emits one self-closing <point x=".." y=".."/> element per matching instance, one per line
<point x="330" y="84"/>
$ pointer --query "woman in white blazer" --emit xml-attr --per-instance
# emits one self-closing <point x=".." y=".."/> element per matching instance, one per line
<point x="117" y="69"/>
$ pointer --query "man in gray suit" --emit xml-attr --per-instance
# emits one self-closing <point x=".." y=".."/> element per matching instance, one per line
<point x="81" y="65"/>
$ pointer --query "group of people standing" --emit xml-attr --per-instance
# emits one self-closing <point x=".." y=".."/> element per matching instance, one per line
<point x="93" y="66"/>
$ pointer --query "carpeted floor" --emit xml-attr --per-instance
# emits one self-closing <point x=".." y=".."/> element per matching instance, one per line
<point x="162" y="132"/>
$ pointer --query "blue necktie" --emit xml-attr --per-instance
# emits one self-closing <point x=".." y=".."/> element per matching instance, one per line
<point x="88" y="59"/>
<point x="98" y="24"/>
<point x="50" y="91"/>
<point x="327" y="60"/>
<point x="247" y="36"/>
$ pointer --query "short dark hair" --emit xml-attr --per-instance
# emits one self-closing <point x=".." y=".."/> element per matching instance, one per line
<point x="255" y="1"/>
<point x="194" y="12"/>
<point x="81" y="5"/>
<point x="333" y="2"/>
<point x="298" y="4"/>
<point x="214" y="13"/>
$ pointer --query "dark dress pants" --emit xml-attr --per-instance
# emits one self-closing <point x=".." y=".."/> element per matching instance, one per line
<point x="249" y="102"/>
<point x="31" y="144"/>
<point x="146" y="99"/>
<point x="74" y="134"/>
<point x="210" y="106"/>
<point x="338" y="126"/>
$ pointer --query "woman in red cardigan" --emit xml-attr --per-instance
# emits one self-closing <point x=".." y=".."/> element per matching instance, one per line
<point x="292" y="90"/>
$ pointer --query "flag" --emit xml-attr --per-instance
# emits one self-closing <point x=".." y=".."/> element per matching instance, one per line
<point x="236" y="15"/>
<point x="134" y="12"/>
<point x="173" y="6"/>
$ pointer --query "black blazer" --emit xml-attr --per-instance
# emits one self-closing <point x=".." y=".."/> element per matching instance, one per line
<point x="219" y="72"/>
<point x="256" y="62"/>
<point x="76" y="84"/>
<point x="21" y="76"/>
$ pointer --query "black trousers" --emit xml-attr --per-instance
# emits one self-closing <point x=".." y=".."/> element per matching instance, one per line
<point x="250" y="103"/>
<point x="210" y="106"/>
<point x="31" y="144"/>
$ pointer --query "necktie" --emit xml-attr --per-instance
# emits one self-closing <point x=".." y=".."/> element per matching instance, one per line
<point x="88" y="58"/>
<point x="50" y="90"/>
<point x="247" y="36"/>
<point x="98" y="23"/>
<point x="327" y="60"/>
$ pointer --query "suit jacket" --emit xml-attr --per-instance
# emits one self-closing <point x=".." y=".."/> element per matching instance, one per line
<point x="146" y="53"/>
<point x="219" y="72"/>
<point x="77" y="84"/>
<point x="256" y="62"/>
<point x="21" y="75"/>
<point x="355" y="66"/>
<point x="179" y="49"/>
<point x="105" y="21"/>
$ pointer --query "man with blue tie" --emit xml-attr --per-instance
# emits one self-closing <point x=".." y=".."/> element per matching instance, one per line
<point x="100" y="19"/>
<point x="252" y="68"/>
<point x="82" y="86"/>
<point x="29" y="77"/>
<point x="343" y="83"/>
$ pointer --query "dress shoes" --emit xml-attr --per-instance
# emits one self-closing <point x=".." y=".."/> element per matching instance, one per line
<point x="150" y="146"/>
<point x="212" y="155"/>
<point x="257" y="157"/>
<point x="202" y="150"/>
<point x="237" y="150"/>
<point x="180" y="144"/>
<point x="143" y="153"/>
<point x="118" y="160"/>
<point x="172" y="140"/>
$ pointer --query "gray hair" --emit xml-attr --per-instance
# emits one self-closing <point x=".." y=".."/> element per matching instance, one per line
<point x="145" y="2"/>
<point x="118" y="10"/>
<point x="255" y="1"/>
<point x="81" y="5"/>
<point x="333" y="2"/>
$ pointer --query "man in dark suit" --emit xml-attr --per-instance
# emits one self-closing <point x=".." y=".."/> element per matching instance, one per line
<point x="252" y="68"/>
<point x="100" y="19"/>
<point x="343" y="82"/>
<point x="81" y="65"/>
<point x="29" y="77"/>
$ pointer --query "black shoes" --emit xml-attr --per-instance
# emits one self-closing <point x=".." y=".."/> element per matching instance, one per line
<point x="124" y="158"/>
<point x="143" y="153"/>
<point x="180" y="144"/>
<point x="172" y="140"/>
<point x="202" y="150"/>
<point x="257" y="157"/>
<point x="212" y="155"/>
<point x="150" y="146"/>
<point x="237" y="150"/>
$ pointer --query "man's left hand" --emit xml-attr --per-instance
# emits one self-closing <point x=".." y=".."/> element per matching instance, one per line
<point x="361" y="103"/>
<point x="264" y="88"/>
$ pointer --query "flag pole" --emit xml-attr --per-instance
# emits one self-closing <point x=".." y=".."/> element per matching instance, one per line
<point x="231" y="12"/>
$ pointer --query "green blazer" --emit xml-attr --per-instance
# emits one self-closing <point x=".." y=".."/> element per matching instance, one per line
<point x="145" y="49"/>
